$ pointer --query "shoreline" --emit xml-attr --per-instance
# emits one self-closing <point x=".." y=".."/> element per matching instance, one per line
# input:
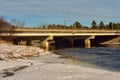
<point x="38" y="69"/>
<point x="49" y="66"/>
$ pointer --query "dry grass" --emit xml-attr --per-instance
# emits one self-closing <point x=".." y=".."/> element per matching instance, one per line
<point x="4" y="42"/>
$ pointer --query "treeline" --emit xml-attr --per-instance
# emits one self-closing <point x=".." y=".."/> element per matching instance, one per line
<point x="102" y="26"/>
<point x="9" y="27"/>
<point x="6" y="26"/>
<point x="77" y="25"/>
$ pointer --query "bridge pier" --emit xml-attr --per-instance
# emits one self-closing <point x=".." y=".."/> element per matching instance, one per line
<point x="22" y="42"/>
<point x="45" y="43"/>
<point x="87" y="41"/>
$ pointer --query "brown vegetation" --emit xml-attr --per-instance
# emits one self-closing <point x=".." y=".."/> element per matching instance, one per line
<point x="77" y="25"/>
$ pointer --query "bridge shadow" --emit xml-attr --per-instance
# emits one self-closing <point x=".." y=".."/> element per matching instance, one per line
<point x="102" y="57"/>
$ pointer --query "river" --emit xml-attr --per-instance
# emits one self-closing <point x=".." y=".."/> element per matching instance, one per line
<point x="107" y="58"/>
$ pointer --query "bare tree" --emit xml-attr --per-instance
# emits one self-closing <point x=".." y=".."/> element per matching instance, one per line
<point x="5" y="27"/>
<point x="17" y="23"/>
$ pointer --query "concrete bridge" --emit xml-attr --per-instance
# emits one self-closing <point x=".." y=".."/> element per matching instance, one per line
<point x="47" y="35"/>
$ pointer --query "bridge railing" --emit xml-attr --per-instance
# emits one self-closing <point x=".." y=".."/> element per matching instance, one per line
<point x="63" y="31"/>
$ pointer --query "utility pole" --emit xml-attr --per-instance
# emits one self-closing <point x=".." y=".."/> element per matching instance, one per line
<point x="65" y="24"/>
<point x="75" y="25"/>
<point x="112" y="25"/>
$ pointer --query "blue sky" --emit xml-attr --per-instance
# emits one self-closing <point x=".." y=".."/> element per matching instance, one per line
<point x="38" y="12"/>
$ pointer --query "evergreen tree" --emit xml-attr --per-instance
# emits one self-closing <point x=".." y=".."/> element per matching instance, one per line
<point x="111" y="25"/>
<point x="77" y="25"/>
<point x="94" y="25"/>
<point x="101" y="25"/>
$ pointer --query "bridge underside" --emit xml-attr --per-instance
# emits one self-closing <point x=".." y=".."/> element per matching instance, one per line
<point x="48" y="42"/>
<point x="61" y="37"/>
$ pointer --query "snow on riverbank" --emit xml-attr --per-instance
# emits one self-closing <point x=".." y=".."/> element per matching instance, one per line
<point x="45" y="67"/>
<point x="8" y="51"/>
<point x="23" y="70"/>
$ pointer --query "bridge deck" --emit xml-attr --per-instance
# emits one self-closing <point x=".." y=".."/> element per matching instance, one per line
<point x="63" y="32"/>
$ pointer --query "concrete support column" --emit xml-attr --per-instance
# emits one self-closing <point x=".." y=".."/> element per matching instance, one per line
<point x="21" y="42"/>
<point x="45" y="43"/>
<point x="87" y="43"/>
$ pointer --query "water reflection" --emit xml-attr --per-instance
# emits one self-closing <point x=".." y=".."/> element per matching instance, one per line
<point x="111" y="45"/>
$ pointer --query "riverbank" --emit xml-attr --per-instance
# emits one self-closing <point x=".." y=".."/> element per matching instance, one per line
<point x="114" y="41"/>
<point x="47" y="66"/>
<point x="9" y="51"/>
